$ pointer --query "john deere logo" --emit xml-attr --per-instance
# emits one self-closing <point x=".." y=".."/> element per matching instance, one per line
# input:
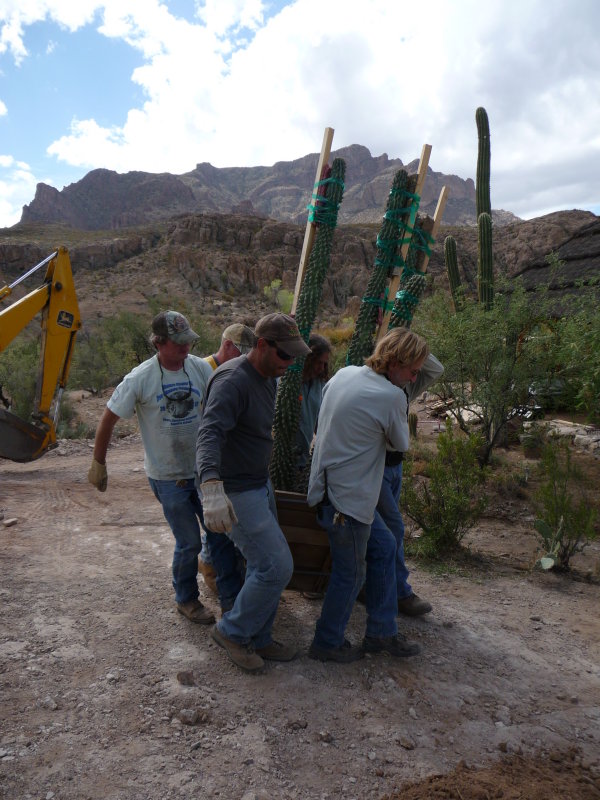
<point x="65" y="319"/>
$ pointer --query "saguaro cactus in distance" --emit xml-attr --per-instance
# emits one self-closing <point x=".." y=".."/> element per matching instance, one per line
<point x="483" y="203"/>
<point x="485" y="258"/>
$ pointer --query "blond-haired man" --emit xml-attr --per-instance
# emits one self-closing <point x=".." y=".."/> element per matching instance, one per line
<point x="363" y="415"/>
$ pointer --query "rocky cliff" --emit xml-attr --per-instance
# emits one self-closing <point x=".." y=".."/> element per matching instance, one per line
<point x="106" y="200"/>
<point x="219" y="265"/>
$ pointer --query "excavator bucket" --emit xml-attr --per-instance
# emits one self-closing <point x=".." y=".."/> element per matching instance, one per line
<point x="20" y="440"/>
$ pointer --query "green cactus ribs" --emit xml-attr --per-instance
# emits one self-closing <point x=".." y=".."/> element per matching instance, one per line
<point x="324" y="212"/>
<point x="412" y="280"/>
<point x="395" y="231"/>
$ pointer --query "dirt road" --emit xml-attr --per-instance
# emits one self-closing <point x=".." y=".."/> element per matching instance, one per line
<point x="108" y="693"/>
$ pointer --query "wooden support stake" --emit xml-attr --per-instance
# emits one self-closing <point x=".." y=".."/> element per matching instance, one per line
<point x="311" y="227"/>
<point x="433" y="229"/>
<point x="395" y="281"/>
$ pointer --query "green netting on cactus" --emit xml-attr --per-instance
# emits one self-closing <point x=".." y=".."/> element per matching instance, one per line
<point x="395" y="231"/>
<point x="324" y="209"/>
<point x="288" y="404"/>
<point x="412" y="281"/>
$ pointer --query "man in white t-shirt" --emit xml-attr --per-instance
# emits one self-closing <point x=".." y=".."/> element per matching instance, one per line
<point x="167" y="393"/>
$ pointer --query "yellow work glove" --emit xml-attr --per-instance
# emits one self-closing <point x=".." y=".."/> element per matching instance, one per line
<point x="219" y="516"/>
<point x="98" y="476"/>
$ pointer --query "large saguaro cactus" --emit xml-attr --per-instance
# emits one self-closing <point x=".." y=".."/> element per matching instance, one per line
<point x="392" y="233"/>
<point x="483" y="203"/>
<point x="485" y="258"/>
<point x="287" y="406"/>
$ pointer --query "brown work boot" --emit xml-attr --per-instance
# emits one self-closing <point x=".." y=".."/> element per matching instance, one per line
<point x="276" y="651"/>
<point x="196" y="612"/>
<point x="210" y="576"/>
<point x="242" y="655"/>
<point x="413" y="606"/>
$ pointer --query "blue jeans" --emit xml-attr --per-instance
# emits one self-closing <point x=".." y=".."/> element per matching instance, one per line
<point x="269" y="567"/>
<point x="348" y="543"/>
<point x="221" y="553"/>
<point x="388" y="517"/>
<point x="181" y="507"/>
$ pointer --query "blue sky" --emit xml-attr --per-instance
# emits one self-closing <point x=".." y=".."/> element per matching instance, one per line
<point x="161" y="86"/>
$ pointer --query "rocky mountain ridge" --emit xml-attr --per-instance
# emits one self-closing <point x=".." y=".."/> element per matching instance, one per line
<point x="219" y="265"/>
<point x="107" y="200"/>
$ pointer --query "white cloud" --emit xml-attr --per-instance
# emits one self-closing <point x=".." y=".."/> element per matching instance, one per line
<point x="17" y="188"/>
<point x="231" y="88"/>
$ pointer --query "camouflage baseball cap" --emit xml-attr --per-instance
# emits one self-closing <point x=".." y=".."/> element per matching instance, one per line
<point x="241" y="336"/>
<point x="174" y="326"/>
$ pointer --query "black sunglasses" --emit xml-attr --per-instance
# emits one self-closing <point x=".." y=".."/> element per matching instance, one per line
<point x="280" y="353"/>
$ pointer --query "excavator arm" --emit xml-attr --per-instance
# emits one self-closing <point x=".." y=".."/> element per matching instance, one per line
<point x="56" y="301"/>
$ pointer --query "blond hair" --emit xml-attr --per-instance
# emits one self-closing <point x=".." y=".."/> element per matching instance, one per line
<point x="400" y="346"/>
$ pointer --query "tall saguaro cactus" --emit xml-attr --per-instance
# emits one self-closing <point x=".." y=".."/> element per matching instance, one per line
<point x="485" y="258"/>
<point x="391" y="235"/>
<point x="451" y="260"/>
<point x="287" y="406"/>
<point x="485" y="266"/>
<point x="482" y="190"/>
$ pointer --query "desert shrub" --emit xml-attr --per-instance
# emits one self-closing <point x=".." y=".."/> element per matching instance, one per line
<point x="282" y="298"/>
<point x="567" y="519"/>
<point x="577" y="353"/>
<point x="449" y="500"/>
<point x="490" y="358"/>
<point x="19" y="365"/>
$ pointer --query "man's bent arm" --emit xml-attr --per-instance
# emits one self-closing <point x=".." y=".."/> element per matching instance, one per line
<point x="108" y="420"/>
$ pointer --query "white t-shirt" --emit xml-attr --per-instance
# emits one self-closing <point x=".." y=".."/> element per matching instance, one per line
<point x="168" y="406"/>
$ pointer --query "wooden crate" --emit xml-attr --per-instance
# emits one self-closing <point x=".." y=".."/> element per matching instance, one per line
<point x="308" y="542"/>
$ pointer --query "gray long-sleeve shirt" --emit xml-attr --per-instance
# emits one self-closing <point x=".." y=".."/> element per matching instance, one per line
<point x="234" y="439"/>
<point x="362" y="414"/>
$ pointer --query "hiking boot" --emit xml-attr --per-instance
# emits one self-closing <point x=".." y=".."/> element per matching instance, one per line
<point x="242" y="655"/>
<point x="210" y="576"/>
<point x="413" y="606"/>
<point x="276" y="651"/>
<point x="196" y="612"/>
<point x="398" y="646"/>
<point x="343" y="654"/>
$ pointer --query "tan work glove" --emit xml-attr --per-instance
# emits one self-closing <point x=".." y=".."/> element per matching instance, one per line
<point x="219" y="515"/>
<point x="98" y="476"/>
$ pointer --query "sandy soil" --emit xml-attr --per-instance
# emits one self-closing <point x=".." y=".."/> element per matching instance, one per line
<point x="108" y="693"/>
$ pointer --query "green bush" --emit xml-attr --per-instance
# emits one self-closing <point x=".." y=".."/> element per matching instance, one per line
<point x="19" y="365"/>
<point x="449" y="501"/>
<point x="567" y="519"/>
<point x="489" y="357"/>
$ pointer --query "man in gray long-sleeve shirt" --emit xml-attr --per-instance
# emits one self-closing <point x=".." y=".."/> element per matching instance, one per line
<point x="232" y="461"/>
<point x="364" y="413"/>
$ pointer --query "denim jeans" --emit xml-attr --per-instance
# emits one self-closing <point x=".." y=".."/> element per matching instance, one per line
<point x="228" y="565"/>
<point x="181" y="507"/>
<point x="388" y="517"/>
<point x="269" y="567"/>
<point x="348" y="543"/>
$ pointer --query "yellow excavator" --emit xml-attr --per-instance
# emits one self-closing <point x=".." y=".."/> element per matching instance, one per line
<point x="56" y="301"/>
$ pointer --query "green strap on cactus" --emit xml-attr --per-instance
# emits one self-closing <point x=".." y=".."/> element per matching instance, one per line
<point x="324" y="210"/>
<point x="393" y="233"/>
<point x="288" y="403"/>
<point x="412" y="282"/>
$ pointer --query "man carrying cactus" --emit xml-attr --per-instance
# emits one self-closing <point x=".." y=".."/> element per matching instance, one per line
<point x="232" y="461"/>
<point x="387" y="514"/>
<point x="363" y="415"/>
